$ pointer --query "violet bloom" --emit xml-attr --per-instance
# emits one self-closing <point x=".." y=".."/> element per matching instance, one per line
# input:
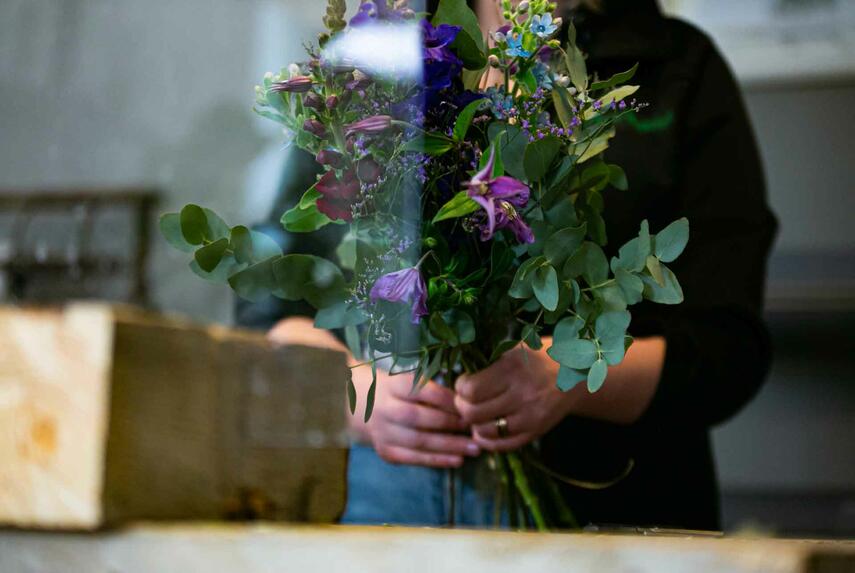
<point x="297" y="84"/>
<point x="315" y="127"/>
<point x="500" y="197"/>
<point x="370" y="125"/>
<point x="406" y="285"/>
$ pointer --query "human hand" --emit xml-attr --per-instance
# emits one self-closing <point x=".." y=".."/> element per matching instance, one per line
<point x="419" y="427"/>
<point x="520" y="388"/>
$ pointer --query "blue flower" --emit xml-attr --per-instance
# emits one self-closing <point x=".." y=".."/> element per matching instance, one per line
<point x="542" y="26"/>
<point x="515" y="49"/>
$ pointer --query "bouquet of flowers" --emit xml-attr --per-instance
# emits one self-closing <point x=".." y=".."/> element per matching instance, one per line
<point x="472" y="216"/>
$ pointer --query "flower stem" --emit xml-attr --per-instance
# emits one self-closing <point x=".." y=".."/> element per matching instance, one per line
<point x="529" y="497"/>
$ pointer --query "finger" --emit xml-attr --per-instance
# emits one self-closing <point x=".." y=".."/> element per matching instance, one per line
<point x="423" y="417"/>
<point x="484" y="385"/>
<point x="490" y="431"/>
<point x="409" y="456"/>
<point x="508" y="444"/>
<point x="434" y="442"/>
<point x="434" y="395"/>
<point x="484" y="412"/>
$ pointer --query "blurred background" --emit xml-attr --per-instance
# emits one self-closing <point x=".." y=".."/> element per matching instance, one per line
<point x="113" y="111"/>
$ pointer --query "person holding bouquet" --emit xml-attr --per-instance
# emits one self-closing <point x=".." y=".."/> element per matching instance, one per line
<point x="637" y="452"/>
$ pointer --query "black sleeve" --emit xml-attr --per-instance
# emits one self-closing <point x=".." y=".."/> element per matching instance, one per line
<point x="299" y="176"/>
<point x="718" y="350"/>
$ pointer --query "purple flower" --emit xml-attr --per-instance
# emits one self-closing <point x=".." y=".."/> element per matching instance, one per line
<point x="338" y="195"/>
<point x="315" y="127"/>
<point x="372" y="11"/>
<point x="500" y="197"/>
<point x="406" y="285"/>
<point x="435" y="39"/>
<point x="297" y="84"/>
<point x="441" y="65"/>
<point x="330" y="157"/>
<point x="370" y="125"/>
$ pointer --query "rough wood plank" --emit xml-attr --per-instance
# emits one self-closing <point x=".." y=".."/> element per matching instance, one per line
<point x="109" y="414"/>
<point x="269" y="549"/>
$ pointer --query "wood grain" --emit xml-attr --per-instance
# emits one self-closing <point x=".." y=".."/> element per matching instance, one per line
<point x="109" y="414"/>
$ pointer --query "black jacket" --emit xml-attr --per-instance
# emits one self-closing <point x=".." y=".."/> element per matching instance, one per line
<point x="692" y="153"/>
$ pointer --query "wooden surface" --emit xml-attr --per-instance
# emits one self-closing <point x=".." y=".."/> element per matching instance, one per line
<point x="109" y="415"/>
<point x="269" y="549"/>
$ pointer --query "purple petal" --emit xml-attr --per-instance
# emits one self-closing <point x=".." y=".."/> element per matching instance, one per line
<point x="487" y="173"/>
<point x="504" y="187"/>
<point x="490" y="207"/>
<point x="396" y="286"/>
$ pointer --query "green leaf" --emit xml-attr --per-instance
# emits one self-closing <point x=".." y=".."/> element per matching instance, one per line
<point x="545" y="285"/>
<point x="539" y="156"/>
<point x="469" y="44"/>
<point x="633" y="255"/>
<point x="526" y="79"/>
<point x="670" y="242"/>
<point x="170" y="228"/>
<point x="314" y="279"/>
<point x="521" y="286"/>
<point x="210" y="255"/>
<point x="563" y="105"/>
<point x="216" y="228"/>
<point x="464" y="119"/>
<point x="575" y="63"/>
<point x="579" y="353"/>
<point x="512" y="143"/>
<point x="611" y="328"/>
<point x="617" y="94"/>
<point x="354" y="343"/>
<point x="615" y="80"/>
<point x="241" y="244"/>
<point x="339" y="315"/>
<point x="429" y="143"/>
<point x="595" y="177"/>
<point x="458" y="206"/>
<point x="372" y="390"/>
<point x="670" y="293"/>
<point x="441" y="329"/>
<point x="655" y="269"/>
<point x="310" y="197"/>
<point x="351" y="392"/>
<point x="617" y="178"/>
<point x="263" y="247"/>
<point x="255" y="282"/>
<point x="301" y="219"/>
<point x="194" y="224"/>
<point x="593" y="148"/>
<point x="588" y="261"/>
<point x="569" y="378"/>
<point x="564" y="243"/>
<point x="631" y="286"/>
<point x="611" y="297"/>
<point x="531" y="337"/>
<point x="568" y="329"/>
<point x="502" y="347"/>
<point x="597" y="375"/>
<point x="228" y="266"/>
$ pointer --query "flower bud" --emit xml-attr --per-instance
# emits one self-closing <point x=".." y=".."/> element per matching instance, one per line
<point x="332" y="102"/>
<point x="523" y="6"/>
<point x="573" y="91"/>
<point x="563" y="81"/>
<point x="313" y="101"/>
<point x="331" y="158"/>
<point x="554" y="44"/>
<point x="507" y="15"/>
<point x="494" y="61"/>
<point x="370" y="125"/>
<point x="498" y="37"/>
<point x="315" y="127"/>
<point x="558" y="21"/>
<point x="297" y="84"/>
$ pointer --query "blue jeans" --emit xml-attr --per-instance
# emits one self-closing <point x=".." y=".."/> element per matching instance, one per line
<point x="384" y="493"/>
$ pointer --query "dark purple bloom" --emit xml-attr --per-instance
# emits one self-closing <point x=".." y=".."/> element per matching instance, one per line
<point x="330" y="157"/>
<point x="500" y="197"/>
<point x="368" y="170"/>
<point x="370" y="125"/>
<point x="315" y="127"/>
<point x="435" y="39"/>
<point x="338" y="195"/>
<point x="373" y="11"/>
<point x="332" y="102"/>
<point x="313" y="101"/>
<point x="441" y="65"/>
<point x="297" y="84"/>
<point x="406" y="285"/>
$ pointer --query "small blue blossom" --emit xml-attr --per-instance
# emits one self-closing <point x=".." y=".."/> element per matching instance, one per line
<point x="515" y="49"/>
<point x="542" y="26"/>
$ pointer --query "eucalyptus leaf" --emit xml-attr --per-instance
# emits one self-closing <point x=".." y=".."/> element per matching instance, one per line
<point x="633" y="255"/>
<point x="256" y="282"/>
<point x="569" y="378"/>
<point x="339" y="315"/>
<point x="469" y="44"/>
<point x="671" y="241"/>
<point x="539" y="156"/>
<point x="588" y="261"/>
<point x="531" y="337"/>
<point x="170" y="228"/>
<point x="194" y="224"/>
<point x="631" y="286"/>
<point x="545" y="286"/>
<point x="579" y="353"/>
<point x="564" y="243"/>
<point x="372" y="390"/>
<point x="670" y="293"/>
<point x="351" y="393"/>
<point x="655" y="270"/>
<point x="209" y="256"/>
<point x="597" y="375"/>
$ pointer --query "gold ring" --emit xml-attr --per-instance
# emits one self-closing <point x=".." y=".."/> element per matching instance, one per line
<point x="502" y="427"/>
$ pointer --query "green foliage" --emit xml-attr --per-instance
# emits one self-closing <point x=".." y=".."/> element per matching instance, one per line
<point x="170" y="228"/>
<point x="589" y="262"/>
<point x="563" y="243"/>
<point x="465" y="117"/>
<point x="512" y="142"/>
<point x="539" y="156"/>
<point x="597" y="375"/>
<point x="569" y="378"/>
<point x="209" y="256"/>
<point x="433" y="144"/>
<point x="670" y="241"/>
<point x="669" y="292"/>
<point x="615" y="80"/>
<point x="194" y="224"/>
<point x="575" y="62"/>
<point x="334" y="18"/>
<point x="545" y="286"/>
<point x="469" y="44"/>
<point x="578" y="353"/>
<point x="339" y="315"/>
<point x="458" y="206"/>
<point x="304" y="217"/>
<point x="310" y="278"/>
<point x="633" y="255"/>
<point x="351" y="393"/>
